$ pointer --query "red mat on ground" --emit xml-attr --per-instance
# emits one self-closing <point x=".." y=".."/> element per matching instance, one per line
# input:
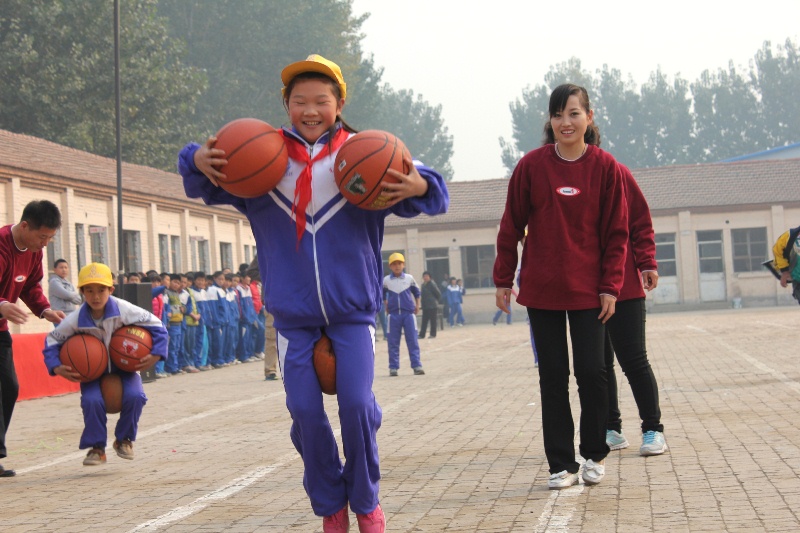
<point x="34" y="381"/>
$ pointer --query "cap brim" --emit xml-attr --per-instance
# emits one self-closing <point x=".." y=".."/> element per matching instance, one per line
<point x="290" y="71"/>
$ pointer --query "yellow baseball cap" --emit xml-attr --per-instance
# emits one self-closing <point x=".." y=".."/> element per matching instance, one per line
<point x="396" y="257"/>
<point x="95" y="273"/>
<point x="314" y="63"/>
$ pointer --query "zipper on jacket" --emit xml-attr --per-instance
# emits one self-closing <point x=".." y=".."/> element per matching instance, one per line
<point x="314" y="243"/>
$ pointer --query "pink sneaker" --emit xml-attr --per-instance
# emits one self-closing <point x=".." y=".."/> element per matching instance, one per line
<point x="373" y="522"/>
<point x="337" y="523"/>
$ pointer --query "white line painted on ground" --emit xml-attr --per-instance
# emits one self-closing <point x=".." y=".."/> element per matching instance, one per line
<point x="774" y="325"/>
<point x="558" y="510"/>
<point x="158" y="429"/>
<point x="777" y="374"/>
<point x="241" y="483"/>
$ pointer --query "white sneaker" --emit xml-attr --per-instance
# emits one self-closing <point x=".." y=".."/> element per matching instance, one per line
<point x="616" y="441"/>
<point x="653" y="443"/>
<point x="593" y="473"/>
<point x="562" y="480"/>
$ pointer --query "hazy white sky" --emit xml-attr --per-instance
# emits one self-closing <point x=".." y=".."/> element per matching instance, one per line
<point x="475" y="57"/>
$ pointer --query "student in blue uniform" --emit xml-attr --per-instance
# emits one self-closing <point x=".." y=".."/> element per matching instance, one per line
<point x="308" y="236"/>
<point x="402" y="299"/>
<point x="100" y="315"/>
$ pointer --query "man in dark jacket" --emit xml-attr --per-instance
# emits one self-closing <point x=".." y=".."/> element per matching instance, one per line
<point x="430" y="304"/>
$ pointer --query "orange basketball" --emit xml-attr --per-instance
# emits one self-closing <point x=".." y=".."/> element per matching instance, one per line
<point x="256" y="154"/>
<point x="325" y="364"/>
<point x="111" y="389"/>
<point x="130" y="344"/>
<point x="361" y="165"/>
<point x="86" y="354"/>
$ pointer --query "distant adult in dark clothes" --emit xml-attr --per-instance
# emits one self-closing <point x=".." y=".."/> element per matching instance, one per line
<point x="21" y="274"/>
<point x="430" y="304"/>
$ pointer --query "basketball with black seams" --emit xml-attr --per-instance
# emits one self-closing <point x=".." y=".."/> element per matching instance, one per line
<point x="86" y="355"/>
<point x="325" y="364"/>
<point x="256" y="154"/>
<point x="128" y="346"/>
<point x="361" y="165"/>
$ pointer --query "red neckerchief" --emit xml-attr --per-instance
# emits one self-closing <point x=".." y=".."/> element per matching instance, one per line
<point x="302" y="189"/>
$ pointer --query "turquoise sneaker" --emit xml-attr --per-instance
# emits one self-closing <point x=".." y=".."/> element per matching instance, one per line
<point x="653" y="443"/>
<point x="616" y="441"/>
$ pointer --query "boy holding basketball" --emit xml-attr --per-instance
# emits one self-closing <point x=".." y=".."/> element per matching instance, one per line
<point x="100" y="315"/>
<point x="302" y="227"/>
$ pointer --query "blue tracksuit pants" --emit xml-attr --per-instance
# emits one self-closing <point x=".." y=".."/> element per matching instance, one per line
<point x="191" y="340"/>
<point x="175" y="359"/>
<point x="399" y="323"/>
<point x="215" y="345"/>
<point x="94" y="411"/>
<point x="201" y="352"/>
<point x="259" y="335"/>
<point x="230" y="342"/>
<point x="328" y="483"/>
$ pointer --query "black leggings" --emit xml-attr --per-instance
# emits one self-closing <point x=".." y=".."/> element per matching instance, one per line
<point x="626" y="336"/>
<point x="587" y="334"/>
<point x="9" y="387"/>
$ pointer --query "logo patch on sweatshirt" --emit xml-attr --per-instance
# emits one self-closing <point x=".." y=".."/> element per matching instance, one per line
<point x="568" y="191"/>
<point x="20" y="278"/>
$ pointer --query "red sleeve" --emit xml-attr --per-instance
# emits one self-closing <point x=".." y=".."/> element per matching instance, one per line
<point x="32" y="293"/>
<point x="614" y="233"/>
<point x="642" y="236"/>
<point x="512" y="225"/>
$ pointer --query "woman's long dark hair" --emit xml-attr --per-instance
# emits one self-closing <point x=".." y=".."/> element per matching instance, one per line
<point x="558" y="101"/>
<point x="336" y="91"/>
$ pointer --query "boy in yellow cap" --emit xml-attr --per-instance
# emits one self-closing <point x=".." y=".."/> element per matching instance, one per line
<point x="401" y="296"/>
<point x="100" y="315"/>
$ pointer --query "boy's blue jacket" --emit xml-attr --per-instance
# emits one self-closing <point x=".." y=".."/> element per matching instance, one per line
<point x="333" y="275"/>
<point x="118" y="313"/>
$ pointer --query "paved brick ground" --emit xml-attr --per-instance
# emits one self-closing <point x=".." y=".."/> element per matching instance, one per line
<point x="461" y="447"/>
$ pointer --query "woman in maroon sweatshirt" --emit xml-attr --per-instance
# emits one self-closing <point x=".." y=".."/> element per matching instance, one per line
<point x="570" y="195"/>
<point x="626" y="330"/>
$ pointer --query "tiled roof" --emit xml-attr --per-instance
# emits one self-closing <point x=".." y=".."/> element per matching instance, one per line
<point x="24" y="155"/>
<point x="740" y="183"/>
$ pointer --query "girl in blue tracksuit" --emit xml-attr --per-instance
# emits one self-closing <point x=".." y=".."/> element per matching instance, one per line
<point x="320" y="261"/>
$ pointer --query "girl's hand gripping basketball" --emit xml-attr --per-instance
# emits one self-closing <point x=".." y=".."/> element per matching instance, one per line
<point x="408" y="186"/>
<point x="208" y="159"/>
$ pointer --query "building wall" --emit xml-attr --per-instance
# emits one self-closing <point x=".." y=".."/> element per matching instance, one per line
<point x="95" y="212"/>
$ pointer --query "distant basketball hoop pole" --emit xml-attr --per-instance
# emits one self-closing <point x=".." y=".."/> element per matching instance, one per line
<point x="117" y="106"/>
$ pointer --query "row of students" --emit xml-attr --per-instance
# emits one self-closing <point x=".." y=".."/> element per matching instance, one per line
<point x="212" y="320"/>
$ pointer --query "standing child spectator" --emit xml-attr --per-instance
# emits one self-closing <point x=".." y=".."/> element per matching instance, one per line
<point x="63" y="296"/>
<point x="175" y="313"/>
<point x="100" y="316"/>
<point x="191" y="324"/>
<point x="21" y="253"/>
<point x="158" y="310"/>
<point x="259" y="334"/>
<point x="430" y="304"/>
<point x="200" y="351"/>
<point x="308" y="300"/>
<point x="401" y="298"/>
<point x="215" y="296"/>
<point x="443" y="286"/>
<point x="247" y="319"/>
<point x="454" y="299"/>
<point x="571" y="197"/>
<point x="231" y="329"/>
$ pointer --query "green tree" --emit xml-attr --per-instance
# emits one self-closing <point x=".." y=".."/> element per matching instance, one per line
<point x="244" y="44"/>
<point x="418" y="124"/>
<point x="728" y="116"/>
<point x="57" y="66"/>
<point x="663" y="124"/>
<point x="776" y="77"/>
